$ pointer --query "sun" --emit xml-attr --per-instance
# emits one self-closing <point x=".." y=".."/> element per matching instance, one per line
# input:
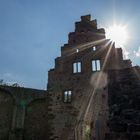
<point x="117" y="34"/>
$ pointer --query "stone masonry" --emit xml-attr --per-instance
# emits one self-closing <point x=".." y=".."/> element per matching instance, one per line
<point x="23" y="114"/>
<point x="124" y="104"/>
<point x="85" y="116"/>
<point x="92" y="94"/>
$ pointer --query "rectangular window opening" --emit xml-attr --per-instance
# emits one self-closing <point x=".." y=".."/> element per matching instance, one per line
<point x="93" y="65"/>
<point x="77" y="50"/>
<point x="94" y="48"/>
<point x="67" y="96"/>
<point x="96" y="65"/>
<point x="77" y="67"/>
<point x="74" y="67"/>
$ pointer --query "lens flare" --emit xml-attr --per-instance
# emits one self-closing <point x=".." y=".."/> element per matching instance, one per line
<point x="117" y="34"/>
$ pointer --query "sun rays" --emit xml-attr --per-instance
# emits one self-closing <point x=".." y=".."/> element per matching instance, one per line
<point x="98" y="79"/>
<point x="117" y="34"/>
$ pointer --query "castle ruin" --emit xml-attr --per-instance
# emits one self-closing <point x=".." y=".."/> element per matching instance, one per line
<point x="92" y="94"/>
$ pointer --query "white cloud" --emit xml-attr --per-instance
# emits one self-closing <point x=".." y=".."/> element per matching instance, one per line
<point x="137" y="53"/>
<point x="126" y="54"/>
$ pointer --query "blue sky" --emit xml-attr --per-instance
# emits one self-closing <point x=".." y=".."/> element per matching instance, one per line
<point x="32" y="32"/>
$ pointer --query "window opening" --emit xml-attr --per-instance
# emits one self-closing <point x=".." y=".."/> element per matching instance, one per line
<point x="94" y="48"/>
<point x="96" y="65"/>
<point x="77" y="67"/>
<point x="67" y="96"/>
<point x="77" y="50"/>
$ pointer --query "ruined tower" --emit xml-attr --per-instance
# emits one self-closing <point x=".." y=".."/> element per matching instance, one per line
<point x="78" y="82"/>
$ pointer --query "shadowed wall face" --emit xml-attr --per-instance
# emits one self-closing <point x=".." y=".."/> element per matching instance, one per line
<point x="36" y="121"/>
<point x="6" y="114"/>
<point x="124" y="104"/>
<point x="23" y="114"/>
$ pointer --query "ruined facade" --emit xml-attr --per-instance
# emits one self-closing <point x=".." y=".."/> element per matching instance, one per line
<point x="90" y="94"/>
<point x="78" y="84"/>
<point x="23" y="114"/>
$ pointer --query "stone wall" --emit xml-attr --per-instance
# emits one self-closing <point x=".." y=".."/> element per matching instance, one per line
<point x="24" y="114"/>
<point x="124" y="104"/>
<point x="6" y="112"/>
<point x="36" y="121"/>
<point x="79" y="118"/>
<point x="112" y="90"/>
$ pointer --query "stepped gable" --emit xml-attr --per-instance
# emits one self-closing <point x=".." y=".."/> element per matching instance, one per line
<point x="93" y="93"/>
<point x="86" y="30"/>
<point x="78" y="82"/>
